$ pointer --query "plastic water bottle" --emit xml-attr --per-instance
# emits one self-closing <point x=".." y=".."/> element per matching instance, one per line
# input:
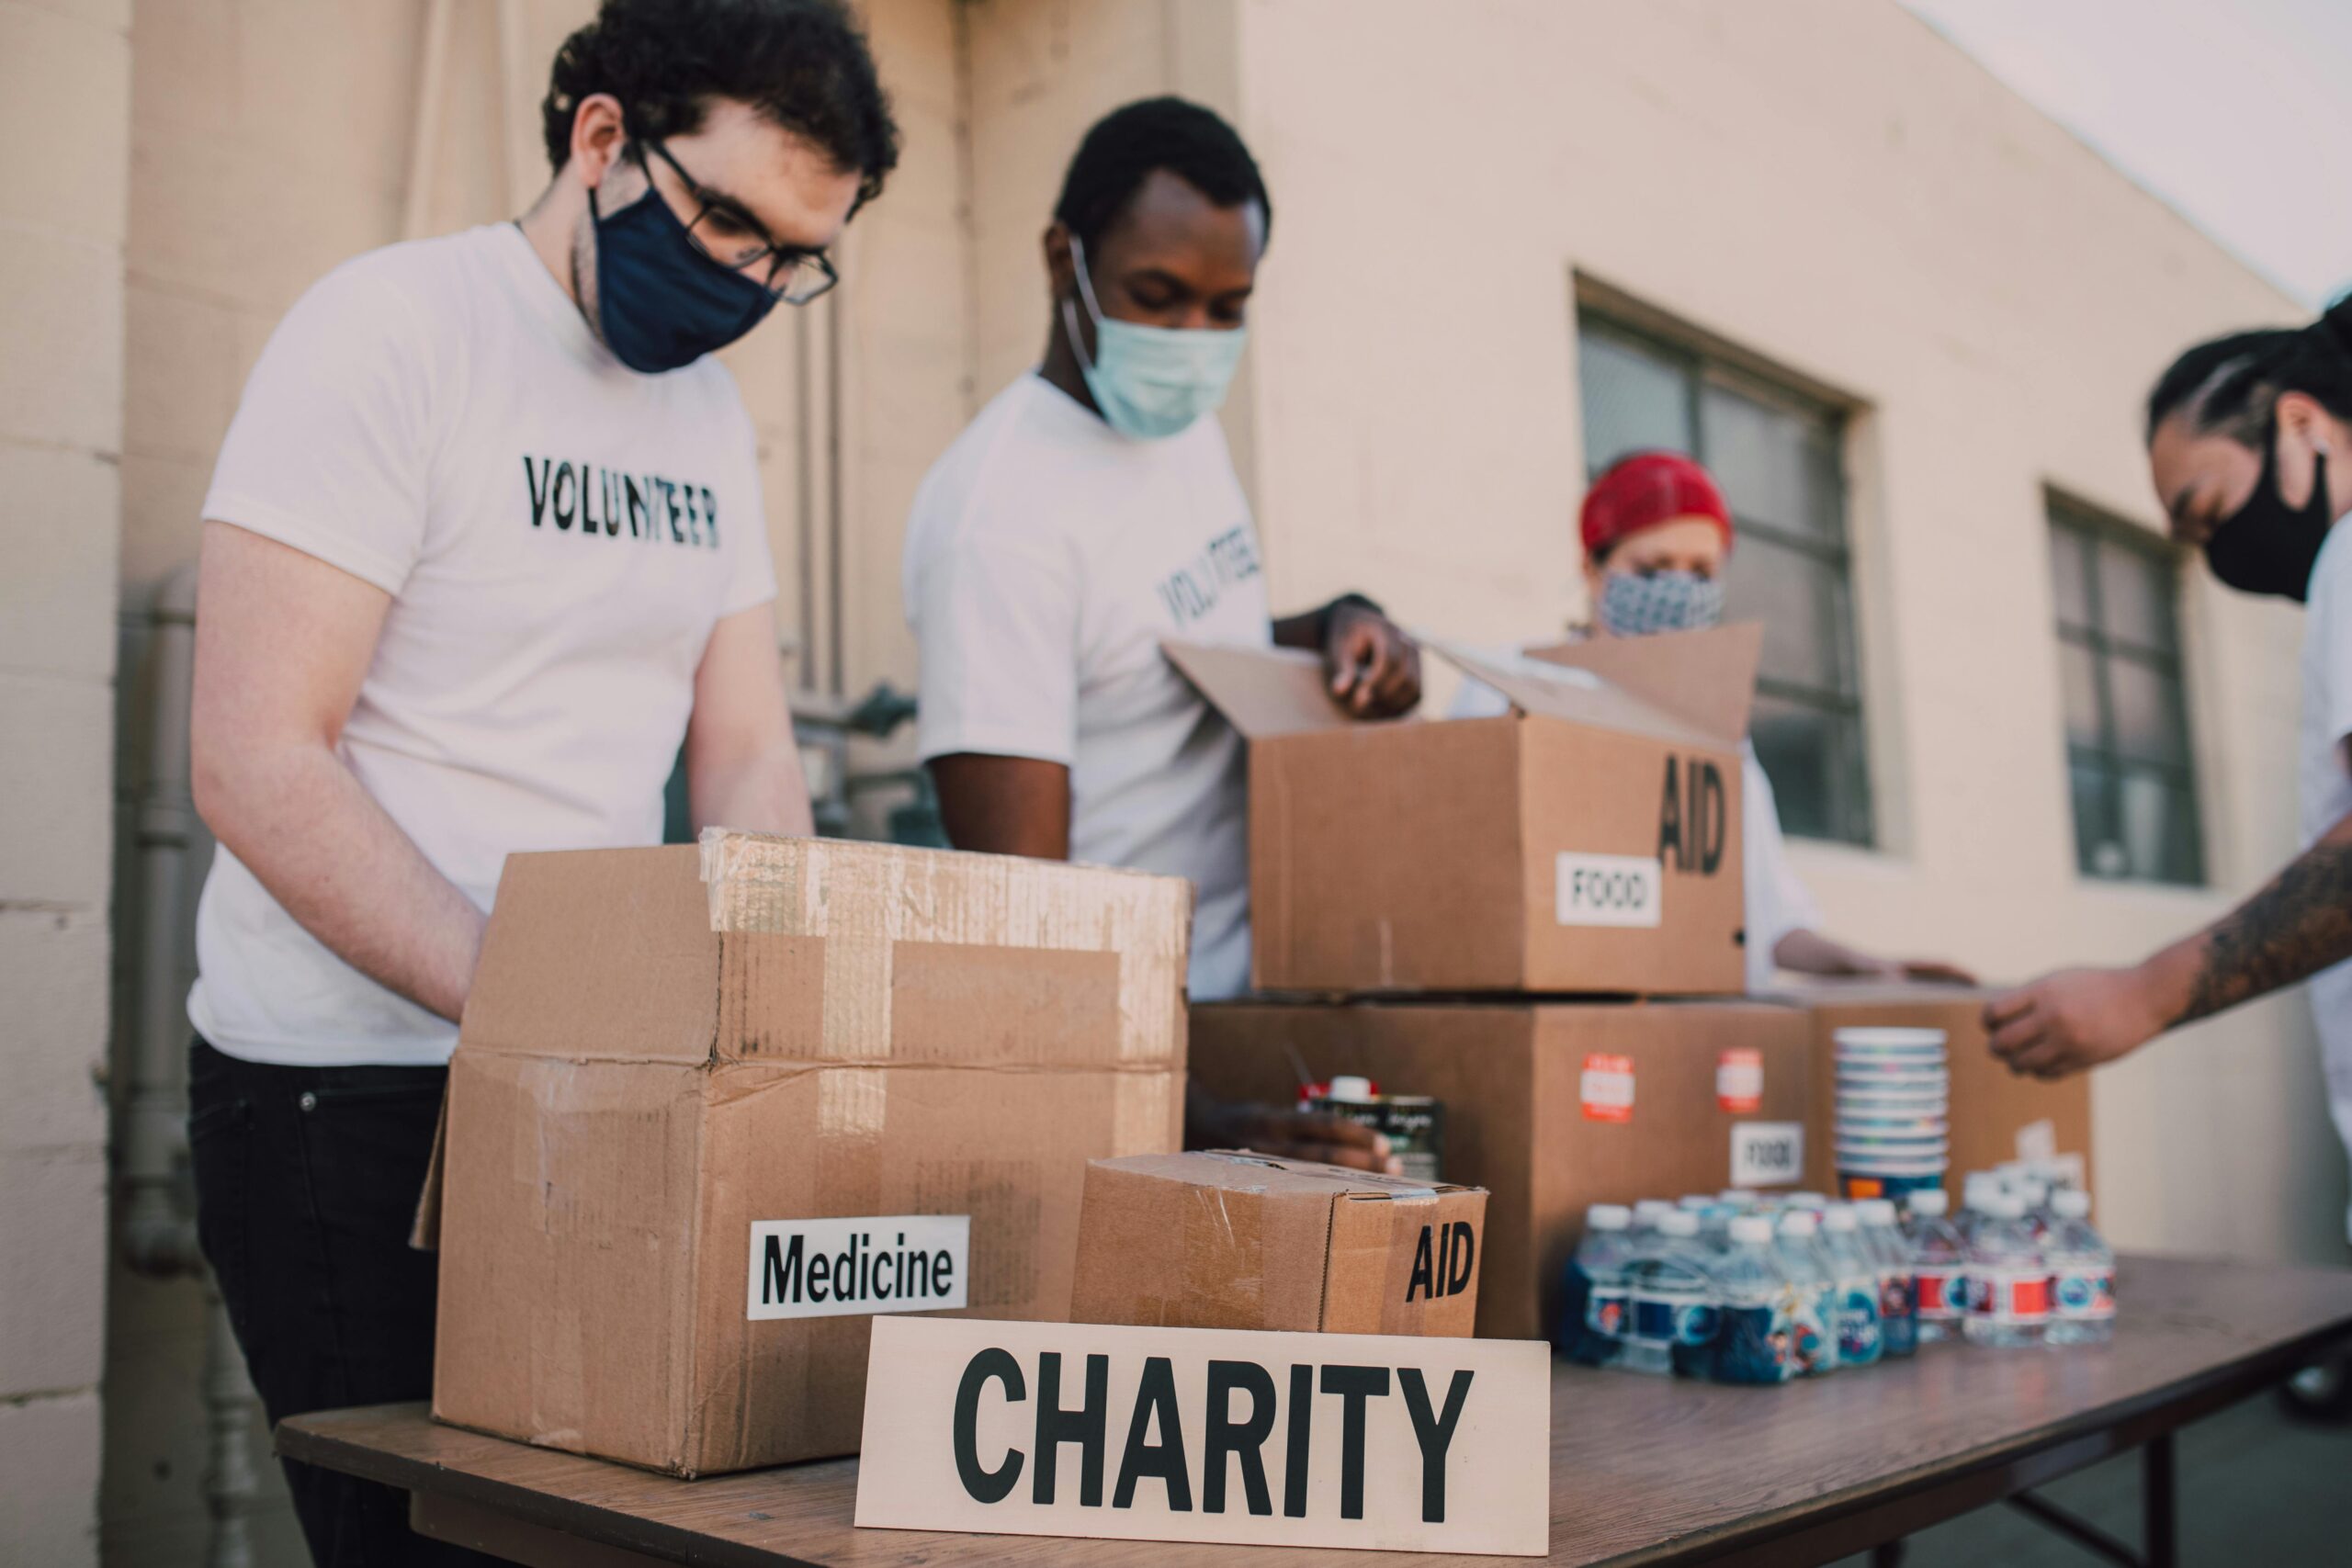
<point x="1743" y="1200"/>
<point x="2008" y="1283"/>
<point x="1939" y="1267"/>
<point x="2036" y="1193"/>
<point x="1592" y="1309"/>
<point x="1753" y="1342"/>
<point x="1859" y="1341"/>
<point x="1646" y="1214"/>
<point x="1671" y="1299"/>
<point x="1980" y="1186"/>
<point x="1813" y="1332"/>
<point x="1898" y="1324"/>
<point x="2082" y="1273"/>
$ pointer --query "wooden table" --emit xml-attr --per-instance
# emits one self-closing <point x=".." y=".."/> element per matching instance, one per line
<point x="1645" y="1470"/>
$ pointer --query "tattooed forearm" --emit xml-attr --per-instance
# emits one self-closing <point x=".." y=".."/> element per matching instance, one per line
<point x="2294" y="928"/>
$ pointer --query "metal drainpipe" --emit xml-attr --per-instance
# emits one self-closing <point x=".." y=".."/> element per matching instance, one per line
<point x="158" y="1237"/>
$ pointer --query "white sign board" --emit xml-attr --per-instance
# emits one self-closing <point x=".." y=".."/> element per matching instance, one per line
<point x="850" y="1267"/>
<point x="1608" y="890"/>
<point x="1767" y="1153"/>
<point x="1385" y="1442"/>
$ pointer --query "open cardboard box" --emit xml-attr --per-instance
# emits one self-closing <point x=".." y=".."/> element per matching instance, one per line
<point x="1588" y="840"/>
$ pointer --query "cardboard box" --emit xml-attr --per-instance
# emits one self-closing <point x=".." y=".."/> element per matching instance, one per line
<point x="681" y="1076"/>
<point x="1996" y="1115"/>
<point x="1550" y="1106"/>
<point x="1233" y="1239"/>
<point x="1587" y="842"/>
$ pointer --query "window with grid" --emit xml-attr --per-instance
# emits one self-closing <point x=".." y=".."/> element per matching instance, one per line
<point x="1779" y="456"/>
<point x="2129" y="765"/>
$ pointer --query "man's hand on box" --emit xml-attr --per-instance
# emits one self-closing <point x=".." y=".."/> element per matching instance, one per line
<point x="1214" y="1124"/>
<point x="1375" y="668"/>
<point x="2073" y="1019"/>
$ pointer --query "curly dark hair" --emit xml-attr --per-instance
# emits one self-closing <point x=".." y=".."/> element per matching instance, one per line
<point x="2228" y="386"/>
<point x="1125" y="145"/>
<point x="803" y="64"/>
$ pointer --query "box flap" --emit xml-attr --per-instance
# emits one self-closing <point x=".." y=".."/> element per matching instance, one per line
<point x="1263" y="691"/>
<point x="1706" y="679"/>
<point x="1576" y="697"/>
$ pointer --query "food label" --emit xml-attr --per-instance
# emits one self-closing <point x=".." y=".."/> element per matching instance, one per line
<point x="1608" y="890"/>
<point x="1767" y="1153"/>
<point x="1937" y="1295"/>
<point x="850" y="1267"/>
<point x="1607" y="1087"/>
<point x="2019" y="1296"/>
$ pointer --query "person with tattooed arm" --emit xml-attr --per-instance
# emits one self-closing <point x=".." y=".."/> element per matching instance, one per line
<point x="2250" y="446"/>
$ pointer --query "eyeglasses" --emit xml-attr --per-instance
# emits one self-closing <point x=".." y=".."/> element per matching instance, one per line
<point x="731" y="236"/>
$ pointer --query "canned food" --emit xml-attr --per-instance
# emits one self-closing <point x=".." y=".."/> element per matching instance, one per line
<point x="1414" y="1124"/>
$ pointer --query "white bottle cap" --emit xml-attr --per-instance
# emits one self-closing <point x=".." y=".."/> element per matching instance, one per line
<point x="2003" y="1206"/>
<point x="1797" y="1223"/>
<point x="1807" y="1200"/>
<point x="1931" y="1201"/>
<point x="2071" y="1203"/>
<point x="1876" y="1210"/>
<point x="1680" y="1224"/>
<point x="1650" y="1210"/>
<point x="1838" y="1218"/>
<point x="1608" y="1217"/>
<point x="1744" y="1197"/>
<point x="1694" y="1201"/>
<point x="1751" y="1230"/>
<point x="1347" y="1085"/>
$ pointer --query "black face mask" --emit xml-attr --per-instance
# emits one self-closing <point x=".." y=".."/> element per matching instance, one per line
<point x="2266" y="546"/>
<point x="663" y="303"/>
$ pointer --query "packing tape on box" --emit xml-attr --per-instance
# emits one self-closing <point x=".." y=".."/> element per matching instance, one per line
<point x="761" y="883"/>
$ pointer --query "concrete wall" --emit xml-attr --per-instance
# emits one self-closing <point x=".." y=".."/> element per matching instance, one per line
<point x="1828" y="184"/>
<point x="65" y="92"/>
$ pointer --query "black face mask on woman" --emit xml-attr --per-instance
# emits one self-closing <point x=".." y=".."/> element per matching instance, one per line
<point x="2266" y="546"/>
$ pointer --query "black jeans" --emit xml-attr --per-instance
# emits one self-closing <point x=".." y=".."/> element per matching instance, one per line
<point x="306" y="1183"/>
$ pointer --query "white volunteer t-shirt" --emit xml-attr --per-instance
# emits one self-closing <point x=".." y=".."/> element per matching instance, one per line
<point x="559" y="534"/>
<point x="2326" y="786"/>
<point x="1776" y="901"/>
<point x="1047" y="558"/>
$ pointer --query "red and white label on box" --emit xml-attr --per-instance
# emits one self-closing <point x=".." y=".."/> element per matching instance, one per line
<point x="1739" y="1081"/>
<point x="1607" y="1087"/>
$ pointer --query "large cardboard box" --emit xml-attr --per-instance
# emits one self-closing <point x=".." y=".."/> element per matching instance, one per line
<point x="1996" y="1115"/>
<point x="1550" y="1105"/>
<point x="1227" y="1238"/>
<point x="1587" y="842"/>
<point x="681" y="1075"/>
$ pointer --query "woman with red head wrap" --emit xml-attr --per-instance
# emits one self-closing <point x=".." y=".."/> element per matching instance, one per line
<point x="1657" y="535"/>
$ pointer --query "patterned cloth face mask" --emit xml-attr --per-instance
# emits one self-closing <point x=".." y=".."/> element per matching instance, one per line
<point x="1633" y="605"/>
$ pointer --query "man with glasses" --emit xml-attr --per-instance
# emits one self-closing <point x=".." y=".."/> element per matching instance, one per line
<point x="484" y="544"/>
<point x="1091" y="513"/>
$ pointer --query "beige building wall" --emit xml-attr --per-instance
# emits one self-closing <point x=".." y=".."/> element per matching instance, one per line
<point x="1831" y="186"/>
<point x="64" y="87"/>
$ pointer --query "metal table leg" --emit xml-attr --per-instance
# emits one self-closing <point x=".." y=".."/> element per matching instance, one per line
<point x="2160" y="1518"/>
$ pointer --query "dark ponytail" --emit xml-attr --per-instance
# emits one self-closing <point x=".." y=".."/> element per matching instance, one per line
<point x="2229" y="386"/>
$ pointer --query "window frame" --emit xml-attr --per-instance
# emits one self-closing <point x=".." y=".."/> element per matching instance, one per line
<point x="2094" y="530"/>
<point x="1701" y="368"/>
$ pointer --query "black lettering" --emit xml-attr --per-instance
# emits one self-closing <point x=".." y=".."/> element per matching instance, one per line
<point x="1083" y="1425"/>
<point x="1155" y="1391"/>
<point x="1296" y="1449"/>
<point x="1712" y="820"/>
<point x="1435" y="1434"/>
<point x="710" y="516"/>
<point x="1669" y="818"/>
<point x="565" y="496"/>
<point x="1461" y="1258"/>
<point x="882" y="1292"/>
<point x="636" y="499"/>
<point x="943" y="1273"/>
<point x="1354" y="1385"/>
<point x="780" y="1278"/>
<point x="611" y="481"/>
<point x="588" y="521"/>
<point x="671" y="508"/>
<point x="820" y="1275"/>
<point x="694" y="514"/>
<point x="918" y="1274"/>
<point x="1244" y="1440"/>
<point x="845" y="1273"/>
<point x="986" y="1485"/>
<point x="537" y="480"/>
<point x="1424" y="1280"/>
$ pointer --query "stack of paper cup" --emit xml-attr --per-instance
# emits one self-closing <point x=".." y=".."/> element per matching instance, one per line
<point x="1894" y="1104"/>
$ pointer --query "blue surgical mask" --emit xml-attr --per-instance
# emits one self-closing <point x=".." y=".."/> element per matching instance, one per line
<point x="661" y="303"/>
<point x="1151" y="382"/>
<point x="1635" y="605"/>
